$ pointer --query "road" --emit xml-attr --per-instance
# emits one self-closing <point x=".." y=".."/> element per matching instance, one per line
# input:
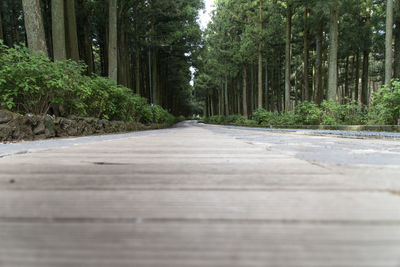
<point x="201" y="195"/>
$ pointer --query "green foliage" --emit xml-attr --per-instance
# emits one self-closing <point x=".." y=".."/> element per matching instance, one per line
<point x="215" y="119"/>
<point x="307" y="113"/>
<point x="180" y="118"/>
<point x="237" y="119"/>
<point x="385" y="108"/>
<point x="346" y="114"/>
<point x="33" y="84"/>
<point x="266" y="118"/>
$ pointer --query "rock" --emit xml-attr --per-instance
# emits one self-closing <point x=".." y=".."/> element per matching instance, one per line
<point x="40" y="128"/>
<point x="6" y="116"/>
<point x="49" y="126"/>
<point x="5" y="132"/>
<point x="23" y="132"/>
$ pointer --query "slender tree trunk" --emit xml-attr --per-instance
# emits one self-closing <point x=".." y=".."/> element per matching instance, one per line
<point x="346" y="80"/>
<point x="1" y="23"/>
<point x="58" y="27"/>
<point x="260" y="89"/>
<point x="287" y="55"/>
<point x="365" y="69"/>
<point x="266" y="85"/>
<point x="388" y="43"/>
<point x="364" y="78"/>
<point x="154" y="72"/>
<point x="14" y="25"/>
<point x="34" y="26"/>
<point x="112" y="41"/>
<point x="244" y="93"/>
<point x="226" y="94"/>
<point x="333" y="50"/>
<point x="137" y="54"/>
<point x="319" y="90"/>
<point x="72" y="35"/>
<point x="85" y="42"/>
<point x="396" y="69"/>
<point x="122" y="52"/>
<point x="306" y="87"/>
<point x="280" y="103"/>
<point x="357" y="77"/>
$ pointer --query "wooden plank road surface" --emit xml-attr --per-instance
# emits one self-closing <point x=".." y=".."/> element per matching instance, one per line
<point x="195" y="196"/>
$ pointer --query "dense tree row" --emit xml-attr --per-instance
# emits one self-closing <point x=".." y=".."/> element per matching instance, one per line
<point x="120" y="39"/>
<point x="276" y="54"/>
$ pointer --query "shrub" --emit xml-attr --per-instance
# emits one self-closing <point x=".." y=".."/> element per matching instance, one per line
<point x="181" y="118"/>
<point x="342" y="114"/>
<point x="237" y="119"/>
<point x="307" y="113"/>
<point x="34" y="84"/>
<point x="218" y="119"/>
<point x="385" y="105"/>
<point x="267" y="118"/>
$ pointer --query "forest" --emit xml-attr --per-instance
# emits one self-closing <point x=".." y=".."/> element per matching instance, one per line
<point x="301" y="62"/>
<point x="272" y="62"/>
<point x="98" y="57"/>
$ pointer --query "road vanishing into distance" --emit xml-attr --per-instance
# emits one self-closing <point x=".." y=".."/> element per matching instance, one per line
<point x="201" y="195"/>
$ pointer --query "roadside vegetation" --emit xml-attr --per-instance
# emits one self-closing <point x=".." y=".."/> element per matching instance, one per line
<point x="32" y="83"/>
<point x="298" y="62"/>
<point x="384" y="110"/>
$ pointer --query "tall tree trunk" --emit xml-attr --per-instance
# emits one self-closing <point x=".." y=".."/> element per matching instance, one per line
<point x="357" y="77"/>
<point x="306" y="87"/>
<point x="244" y="93"/>
<point x="34" y="26"/>
<point x="85" y="41"/>
<point x="346" y="80"/>
<point x="396" y="69"/>
<point x="333" y="50"/>
<point x="112" y="41"/>
<point x="287" y="55"/>
<point x="1" y="22"/>
<point x="280" y="103"/>
<point x="14" y="25"/>
<point x="137" y="54"/>
<point x="266" y="85"/>
<point x="155" y="76"/>
<point x="365" y="69"/>
<point x="72" y="34"/>
<point x="388" y="42"/>
<point x="123" y="57"/>
<point x="58" y="29"/>
<point x="226" y="94"/>
<point x="260" y="89"/>
<point x="319" y="90"/>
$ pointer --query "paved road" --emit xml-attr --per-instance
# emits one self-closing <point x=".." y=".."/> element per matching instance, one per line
<point x="202" y="195"/>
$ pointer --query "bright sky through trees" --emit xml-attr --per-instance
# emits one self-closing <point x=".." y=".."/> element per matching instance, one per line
<point x="204" y="18"/>
<point x="205" y="14"/>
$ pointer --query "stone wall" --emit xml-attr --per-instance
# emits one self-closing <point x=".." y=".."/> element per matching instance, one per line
<point x="15" y="127"/>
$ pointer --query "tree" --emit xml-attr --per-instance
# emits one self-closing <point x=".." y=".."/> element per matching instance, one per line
<point x="58" y="33"/>
<point x="112" y="41"/>
<point x="333" y="50"/>
<point x="287" y="54"/>
<point x="1" y="23"/>
<point x="84" y="35"/>
<point x="72" y="35"/>
<point x="396" y="33"/>
<point x="388" y="42"/>
<point x="366" y="52"/>
<point x="260" y="56"/>
<point x="34" y="26"/>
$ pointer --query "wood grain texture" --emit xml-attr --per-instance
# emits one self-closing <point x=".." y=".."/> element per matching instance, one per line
<point x="192" y="197"/>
